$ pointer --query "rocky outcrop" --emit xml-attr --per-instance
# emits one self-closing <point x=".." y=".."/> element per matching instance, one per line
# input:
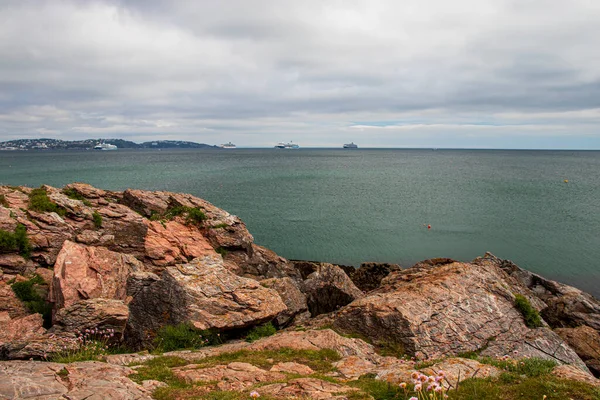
<point x="9" y="303"/>
<point x="586" y="343"/>
<point x="101" y="314"/>
<point x="573" y="373"/>
<point x="328" y="288"/>
<point x="234" y="376"/>
<point x="203" y="293"/>
<point x="293" y="298"/>
<point x="310" y="388"/>
<point x="369" y="275"/>
<point x="83" y="380"/>
<point x="86" y="272"/>
<point x="441" y="310"/>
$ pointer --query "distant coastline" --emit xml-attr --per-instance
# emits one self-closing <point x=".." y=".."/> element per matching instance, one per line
<point x="88" y="144"/>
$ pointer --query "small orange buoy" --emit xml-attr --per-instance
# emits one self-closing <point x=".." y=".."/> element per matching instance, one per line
<point x="428" y="226"/>
<point x="566" y="181"/>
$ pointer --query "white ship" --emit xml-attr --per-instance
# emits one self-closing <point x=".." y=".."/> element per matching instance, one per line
<point x="350" y="146"/>
<point x="289" y="145"/>
<point x="228" y="146"/>
<point x="105" y="146"/>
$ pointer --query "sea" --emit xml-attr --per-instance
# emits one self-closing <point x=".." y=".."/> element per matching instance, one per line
<point x="540" y="209"/>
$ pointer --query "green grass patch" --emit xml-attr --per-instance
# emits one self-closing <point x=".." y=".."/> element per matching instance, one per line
<point x="184" y="336"/>
<point x="531" y="367"/>
<point x="195" y="216"/>
<point x="260" y="331"/>
<point x="219" y="226"/>
<point x="319" y="360"/>
<point x="222" y="251"/>
<point x="75" y="195"/>
<point x="40" y="202"/>
<point x="97" y="218"/>
<point x="3" y="201"/>
<point x="530" y="314"/>
<point x="379" y="390"/>
<point x="15" y="241"/>
<point x="27" y="293"/>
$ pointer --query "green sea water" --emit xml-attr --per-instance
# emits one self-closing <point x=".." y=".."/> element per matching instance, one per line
<point x="352" y="206"/>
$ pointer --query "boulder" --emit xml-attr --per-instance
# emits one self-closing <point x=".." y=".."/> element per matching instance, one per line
<point x="85" y="272"/>
<point x="575" y="374"/>
<point x="234" y="376"/>
<point x="369" y="275"/>
<point x="563" y="306"/>
<point x="203" y="293"/>
<point x="293" y="298"/>
<point x="310" y="388"/>
<point x="329" y="288"/>
<point x="260" y="263"/>
<point x="586" y="343"/>
<point x="102" y="314"/>
<point x="435" y="311"/>
<point x="292" y="368"/>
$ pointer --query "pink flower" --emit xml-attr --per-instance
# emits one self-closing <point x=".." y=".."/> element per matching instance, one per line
<point x="403" y="385"/>
<point x="418" y="387"/>
<point x="413" y="398"/>
<point x="254" y="394"/>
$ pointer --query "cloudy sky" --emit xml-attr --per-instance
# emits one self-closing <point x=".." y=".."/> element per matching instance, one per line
<point x="398" y="73"/>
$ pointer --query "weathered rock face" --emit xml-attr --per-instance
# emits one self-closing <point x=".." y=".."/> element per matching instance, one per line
<point x="234" y="376"/>
<point x="83" y="380"/>
<point x="586" y="343"/>
<point x="329" y="288"/>
<point x="86" y="272"/>
<point x="563" y="306"/>
<point x="436" y="311"/>
<point x="102" y="314"/>
<point x="293" y="298"/>
<point x="311" y="388"/>
<point x="203" y="293"/>
<point x="369" y="275"/>
<point x="10" y="303"/>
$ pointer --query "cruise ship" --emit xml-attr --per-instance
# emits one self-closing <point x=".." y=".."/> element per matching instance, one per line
<point x="105" y="146"/>
<point x="350" y="146"/>
<point x="289" y="145"/>
<point x="228" y="146"/>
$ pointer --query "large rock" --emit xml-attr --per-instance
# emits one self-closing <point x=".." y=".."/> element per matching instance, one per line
<point x="293" y="298"/>
<point x="81" y="380"/>
<point x="564" y="306"/>
<point x="434" y="311"/>
<point x="586" y="343"/>
<point x="86" y="272"/>
<point x="234" y="376"/>
<point x="307" y="388"/>
<point x="329" y="288"/>
<point x="369" y="275"/>
<point x="203" y="293"/>
<point x="101" y="314"/>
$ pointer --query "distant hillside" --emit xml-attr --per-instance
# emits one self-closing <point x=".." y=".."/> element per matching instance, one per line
<point x="57" y="144"/>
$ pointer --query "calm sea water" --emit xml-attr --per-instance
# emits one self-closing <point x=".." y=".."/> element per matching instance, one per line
<point x="351" y="206"/>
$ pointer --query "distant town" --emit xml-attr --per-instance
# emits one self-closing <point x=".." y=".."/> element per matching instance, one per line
<point x="89" y="144"/>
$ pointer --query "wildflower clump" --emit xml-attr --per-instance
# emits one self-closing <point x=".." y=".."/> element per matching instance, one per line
<point x="90" y="344"/>
<point x="426" y="387"/>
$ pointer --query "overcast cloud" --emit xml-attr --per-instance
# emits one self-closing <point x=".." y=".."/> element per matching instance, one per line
<point x="408" y="73"/>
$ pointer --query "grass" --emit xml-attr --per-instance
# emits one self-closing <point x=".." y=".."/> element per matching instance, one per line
<point x="27" y="293"/>
<point x="184" y="336"/>
<point x="39" y="201"/>
<point x="75" y="195"/>
<point x="195" y="216"/>
<point x="97" y="218"/>
<point x="260" y="331"/>
<point x="90" y="346"/>
<point x="15" y="241"/>
<point x="530" y="314"/>
<point x="3" y="201"/>
<point x="222" y="251"/>
<point x="531" y="367"/>
<point x="219" y="226"/>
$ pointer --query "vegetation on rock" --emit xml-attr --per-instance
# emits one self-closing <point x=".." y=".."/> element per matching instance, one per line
<point x="530" y="314"/>
<point x="75" y="195"/>
<point x="27" y="293"/>
<point x="15" y="241"/>
<point x="184" y="336"/>
<point x="40" y="202"/>
<point x="97" y="218"/>
<point x="261" y="331"/>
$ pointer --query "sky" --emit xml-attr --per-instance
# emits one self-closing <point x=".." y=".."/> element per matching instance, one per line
<point x="399" y="73"/>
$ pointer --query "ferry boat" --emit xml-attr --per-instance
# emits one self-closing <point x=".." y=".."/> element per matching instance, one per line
<point x="350" y="146"/>
<point x="228" y="146"/>
<point x="105" y="146"/>
<point x="289" y="145"/>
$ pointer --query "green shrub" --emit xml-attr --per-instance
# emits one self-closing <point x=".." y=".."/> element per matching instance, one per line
<point x="531" y="316"/>
<point x="75" y="195"/>
<point x="3" y="201"/>
<point x="183" y="336"/>
<point x="222" y="251"/>
<point x="195" y="216"/>
<point x="17" y="241"/>
<point x="28" y="294"/>
<point x="97" y="218"/>
<point x="174" y="211"/>
<point x="219" y="226"/>
<point x="260" y="331"/>
<point x="39" y="201"/>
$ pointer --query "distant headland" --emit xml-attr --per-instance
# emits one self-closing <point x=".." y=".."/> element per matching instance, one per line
<point x="88" y="144"/>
